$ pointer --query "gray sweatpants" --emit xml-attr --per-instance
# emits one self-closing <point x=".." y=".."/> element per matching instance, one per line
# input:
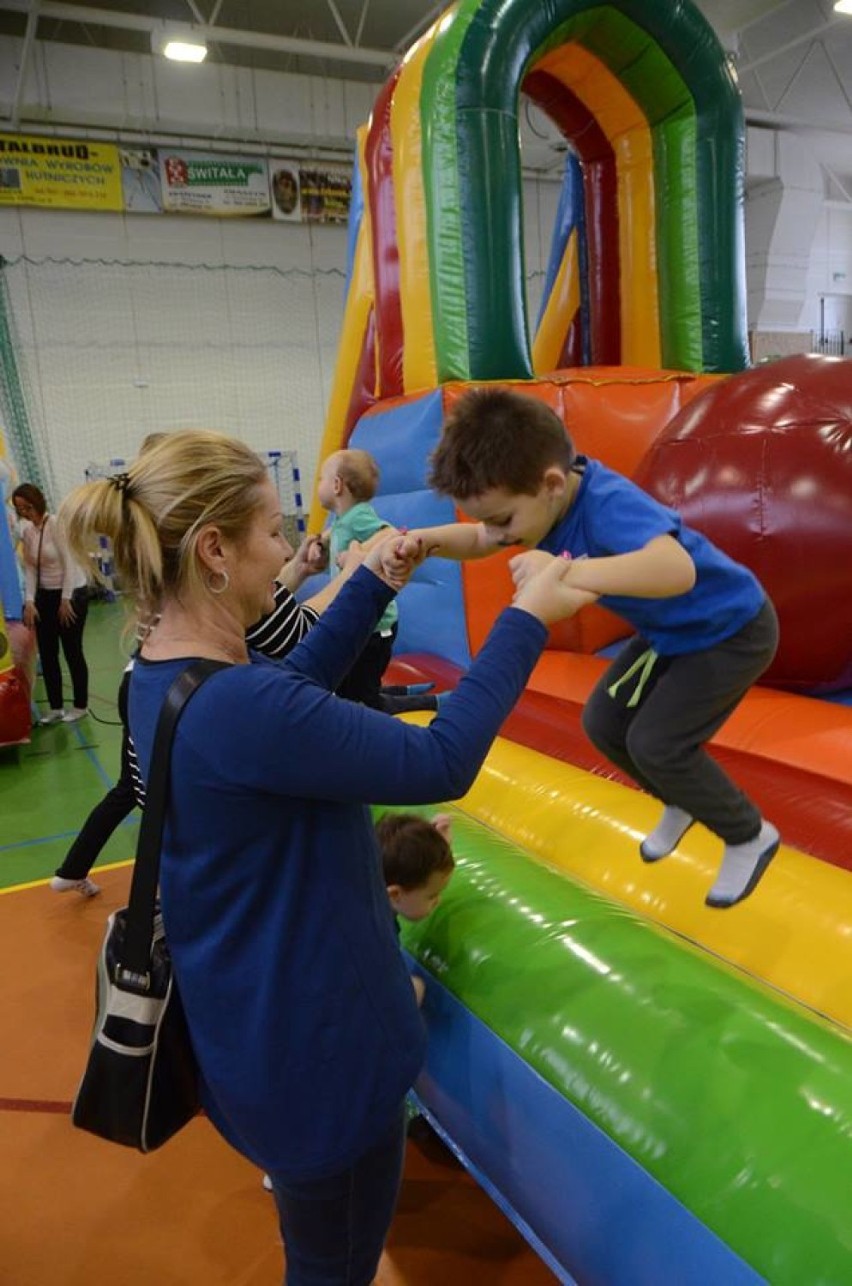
<point x="685" y="700"/>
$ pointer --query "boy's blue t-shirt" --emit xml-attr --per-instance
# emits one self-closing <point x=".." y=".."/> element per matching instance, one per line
<point x="611" y="515"/>
<point x="358" y="523"/>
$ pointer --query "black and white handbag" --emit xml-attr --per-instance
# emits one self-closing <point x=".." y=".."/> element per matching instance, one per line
<point x="140" y="1085"/>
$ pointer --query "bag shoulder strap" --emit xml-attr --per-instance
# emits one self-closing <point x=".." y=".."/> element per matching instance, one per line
<point x="136" y="955"/>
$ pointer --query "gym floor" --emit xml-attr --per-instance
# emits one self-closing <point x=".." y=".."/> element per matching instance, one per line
<point x="81" y="1212"/>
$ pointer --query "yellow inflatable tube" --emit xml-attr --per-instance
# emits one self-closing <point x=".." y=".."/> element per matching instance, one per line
<point x="794" y="932"/>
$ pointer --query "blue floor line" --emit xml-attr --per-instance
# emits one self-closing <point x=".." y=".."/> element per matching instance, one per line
<point x="31" y="843"/>
<point x="48" y="839"/>
<point x="99" y="768"/>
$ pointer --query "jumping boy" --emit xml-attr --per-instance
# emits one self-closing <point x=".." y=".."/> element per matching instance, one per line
<point x="705" y="628"/>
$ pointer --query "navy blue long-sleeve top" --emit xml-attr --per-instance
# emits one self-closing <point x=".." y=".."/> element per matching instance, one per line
<point x="298" y="1002"/>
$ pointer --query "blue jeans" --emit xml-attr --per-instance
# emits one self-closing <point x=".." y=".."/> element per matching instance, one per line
<point x="334" y="1229"/>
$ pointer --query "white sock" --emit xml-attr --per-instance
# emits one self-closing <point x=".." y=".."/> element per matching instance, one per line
<point x="742" y="866"/>
<point x="667" y="834"/>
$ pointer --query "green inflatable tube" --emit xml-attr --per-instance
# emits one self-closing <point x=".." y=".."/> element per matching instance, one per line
<point x="736" y="1099"/>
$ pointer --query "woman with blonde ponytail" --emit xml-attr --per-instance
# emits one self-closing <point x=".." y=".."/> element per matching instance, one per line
<point x="299" y="1005"/>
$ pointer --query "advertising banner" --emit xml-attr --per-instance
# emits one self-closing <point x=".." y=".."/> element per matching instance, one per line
<point x="325" y="195"/>
<point x="140" y="180"/>
<point x="286" y="190"/>
<point x="193" y="183"/>
<point x="59" y="173"/>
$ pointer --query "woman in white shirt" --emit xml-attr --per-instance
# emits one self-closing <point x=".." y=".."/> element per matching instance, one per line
<point x="56" y="602"/>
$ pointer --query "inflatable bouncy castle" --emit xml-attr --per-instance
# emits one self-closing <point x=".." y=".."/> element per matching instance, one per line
<point x="653" y="1090"/>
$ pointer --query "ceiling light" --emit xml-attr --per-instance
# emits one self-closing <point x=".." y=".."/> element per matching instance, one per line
<point x="180" y="45"/>
<point x="843" y="6"/>
<point x="181" y="52"/>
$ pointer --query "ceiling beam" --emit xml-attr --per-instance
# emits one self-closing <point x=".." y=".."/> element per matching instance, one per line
<point x="812" y="34"/>
<point x="381" y="58"/>
<point x="339" y="23"/>
<point x="24" y="65"/>
<point x="363" y="18"/>
<point x="419" y="27"/>
<point x="777" y="120"/>
<point x="194" y="10"/>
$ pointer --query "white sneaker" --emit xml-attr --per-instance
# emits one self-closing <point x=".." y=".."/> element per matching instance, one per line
<point x="267" y="1183"/>
<point x="52" y="716"/>
<point x="74" y="714"/>
<point x="85" y="887"/>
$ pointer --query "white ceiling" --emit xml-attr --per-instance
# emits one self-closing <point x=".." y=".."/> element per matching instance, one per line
<point x="793" y="57"/>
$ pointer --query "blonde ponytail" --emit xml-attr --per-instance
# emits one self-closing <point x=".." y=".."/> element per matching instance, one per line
<point x="154" y="513"/>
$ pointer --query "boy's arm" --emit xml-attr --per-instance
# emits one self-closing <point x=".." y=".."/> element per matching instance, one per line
<point x="459" y="540"/>
<point x="660" y="569"/>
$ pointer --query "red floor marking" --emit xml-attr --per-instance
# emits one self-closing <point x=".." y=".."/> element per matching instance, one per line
<point x="34" y="1105"/>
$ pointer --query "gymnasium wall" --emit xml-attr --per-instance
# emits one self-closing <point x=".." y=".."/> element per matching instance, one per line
<point x="126" y="324"/>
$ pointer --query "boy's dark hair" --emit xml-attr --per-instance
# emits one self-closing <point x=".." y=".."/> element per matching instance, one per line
<point x="494" y="437"/>
<point x="412" y="850"/>
<point x="359" y="471"/>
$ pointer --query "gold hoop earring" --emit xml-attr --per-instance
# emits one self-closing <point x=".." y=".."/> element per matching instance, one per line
<point x="226" y="580"/>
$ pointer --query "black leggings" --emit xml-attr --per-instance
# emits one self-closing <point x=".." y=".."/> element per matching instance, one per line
<point x="104" y="818"/>
<point x="364" y="681"/>
<point x="49" y="634"/>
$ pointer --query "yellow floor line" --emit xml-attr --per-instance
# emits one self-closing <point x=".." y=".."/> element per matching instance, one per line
<point x="34" y="884"/>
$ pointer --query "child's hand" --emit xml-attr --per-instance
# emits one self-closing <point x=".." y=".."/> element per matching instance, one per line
<point x="314" y="554"/>
<point x="524" y="566"/>
<point x="309" y="558"/>
<point x="395" y="558"/>
<point x="548" y="593"/>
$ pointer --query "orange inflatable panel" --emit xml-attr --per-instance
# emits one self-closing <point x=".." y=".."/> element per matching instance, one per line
<point x="801" y="732"/>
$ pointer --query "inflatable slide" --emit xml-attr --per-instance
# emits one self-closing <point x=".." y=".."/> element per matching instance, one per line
<point x="653" y="1090"/>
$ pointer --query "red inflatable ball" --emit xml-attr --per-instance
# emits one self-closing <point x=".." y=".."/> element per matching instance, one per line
<point x="762" y="464"/>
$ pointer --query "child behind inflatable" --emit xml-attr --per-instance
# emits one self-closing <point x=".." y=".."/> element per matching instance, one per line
<point x="417" y="862"/>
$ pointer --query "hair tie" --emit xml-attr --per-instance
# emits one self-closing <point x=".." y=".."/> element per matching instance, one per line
<point x="121" y="482"/>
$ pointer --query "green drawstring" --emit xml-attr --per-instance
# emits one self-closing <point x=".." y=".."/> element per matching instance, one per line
<point x="645" y="663"/>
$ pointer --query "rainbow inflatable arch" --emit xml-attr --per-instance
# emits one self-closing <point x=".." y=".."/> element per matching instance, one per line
<point x="648" y="260"/>
<point x="653" y="1091"/>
